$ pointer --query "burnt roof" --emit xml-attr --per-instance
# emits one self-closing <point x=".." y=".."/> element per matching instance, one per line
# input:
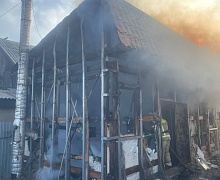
<point x="11" y="48"/>
<point x="125" y="26"/>
<point x="136" y="29"/>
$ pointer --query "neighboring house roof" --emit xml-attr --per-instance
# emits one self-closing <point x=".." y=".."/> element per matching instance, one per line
<point x="8" y="93"/>
<point x="11" y="48"/>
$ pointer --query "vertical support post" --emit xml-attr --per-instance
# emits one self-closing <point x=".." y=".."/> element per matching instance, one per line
<point x="103" y="102"/>
<point x="32" y="105"/>
<point x="208" y="131"/>
<point x="57" y="103"/>
<point x="137" y="111"/>
<point x="21" y="92"/>
<point x="159" y="130"/>
<point x="141" y="125"/>
<point x="68" y="117"/>
<point x="153" y="96"/>
<point x="85" y="168"/>
<point x="217" y="131"/>
<point x="198" y="126"/>
<point x="54" y="115"/>
<point x="114" y="128"/>
<point x="120" y="156"/>
<point x="189" y="132"/>
<point x="175" y="94"/>
<point x="57" y="108"/>
<point x="42" y="114"/>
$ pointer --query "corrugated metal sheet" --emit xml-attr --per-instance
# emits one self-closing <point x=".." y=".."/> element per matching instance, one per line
<point x="6" y="130"/>
<point x="8" y="94"/>
<point x="11" y="48"/>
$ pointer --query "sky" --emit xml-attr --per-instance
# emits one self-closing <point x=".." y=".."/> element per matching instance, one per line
<point x="198" y="20"/>
<point x="47" y="14"/>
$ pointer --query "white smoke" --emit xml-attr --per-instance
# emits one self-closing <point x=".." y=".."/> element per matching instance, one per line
<point x="46" y="173"/>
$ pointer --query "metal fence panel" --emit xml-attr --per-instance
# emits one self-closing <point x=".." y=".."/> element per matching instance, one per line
<point x="6" y="130"/>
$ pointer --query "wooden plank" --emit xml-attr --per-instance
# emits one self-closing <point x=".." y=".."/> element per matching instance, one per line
<point x="60" y="120"/>
<point x="75" y="120"/>
<point x="76" y="170"/>
<point x="149" y="118"/>
<point x="132" y="170"/>
<point x="212" y="145"/>
<point x="154" y="162"/>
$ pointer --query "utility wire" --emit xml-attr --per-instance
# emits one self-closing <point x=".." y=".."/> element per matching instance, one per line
<point x="35" y="20"/>
<point x="10" y="10"/>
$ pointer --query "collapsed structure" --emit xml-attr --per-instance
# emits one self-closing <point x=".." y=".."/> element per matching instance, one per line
<point x="101" y="79"/>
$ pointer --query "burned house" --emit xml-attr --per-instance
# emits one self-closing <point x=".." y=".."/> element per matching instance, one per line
<point x="100" y="80"/>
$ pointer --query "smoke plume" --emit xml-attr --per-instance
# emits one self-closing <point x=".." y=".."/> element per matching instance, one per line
<point x="197" y="20"/>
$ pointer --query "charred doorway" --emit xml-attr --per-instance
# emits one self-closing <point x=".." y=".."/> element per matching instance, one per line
<point x="177" y="119"/>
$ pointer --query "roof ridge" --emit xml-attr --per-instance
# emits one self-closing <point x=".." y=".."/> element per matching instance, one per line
<point x="9" y="40"/>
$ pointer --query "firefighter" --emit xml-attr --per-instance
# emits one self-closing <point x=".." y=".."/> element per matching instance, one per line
<point x="166" y="143"/>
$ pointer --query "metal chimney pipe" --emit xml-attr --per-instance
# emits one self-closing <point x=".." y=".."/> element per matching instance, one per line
<point x="21" y="93"/>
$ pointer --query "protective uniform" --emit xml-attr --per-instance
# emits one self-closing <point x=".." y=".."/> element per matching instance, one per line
<point x="166" y="143"/>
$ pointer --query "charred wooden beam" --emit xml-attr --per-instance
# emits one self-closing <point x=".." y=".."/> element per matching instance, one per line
<point x="141" y="132"/>
<point x="149" y="118"/>
<point x="103" y="103"/>
<point x="73" y="70"/>
<point x="208" y="132"/>
<point x="158" y="127"/>
<point x="132" y="170"/>
<point x="76" y="170"/>
<point x="198" y="126"/>
<point x="59" y="120"/>
<point x="74" y="79"/>
<point x="113" y="124"/>
<point x="128" y="86"/>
